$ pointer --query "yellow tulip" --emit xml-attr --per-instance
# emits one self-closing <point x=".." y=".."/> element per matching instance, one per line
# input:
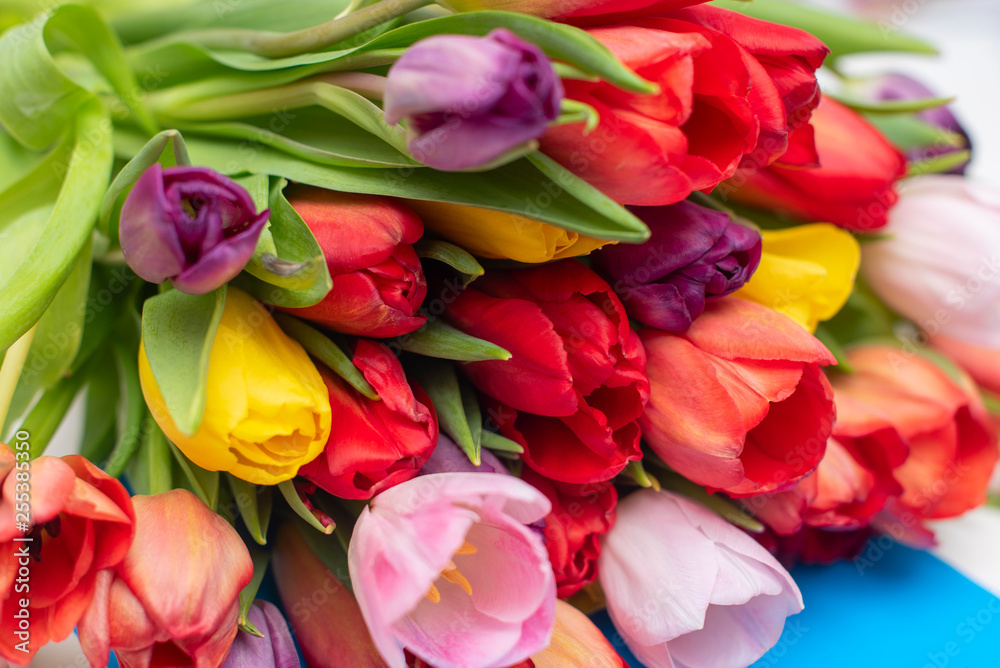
<point x="498" y="235"/>
<point x="267" y="410"/>
<point x="806" y="272"/>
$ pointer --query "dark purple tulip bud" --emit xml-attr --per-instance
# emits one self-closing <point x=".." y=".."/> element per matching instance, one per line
<point x="901" y="87"/>
<point x="693" y="254"/>
<point x="190" y="225"/>
<point x="468" y="100"/>
<point x="275" y="650"/>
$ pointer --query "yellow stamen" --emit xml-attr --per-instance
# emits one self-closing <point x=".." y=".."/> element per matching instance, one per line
<point x="433" y="594"/>
<point x="452" y="575"/>
<point x="467" y="548"/>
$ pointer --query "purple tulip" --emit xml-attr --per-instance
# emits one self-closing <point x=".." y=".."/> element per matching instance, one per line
<point x="275" y="650"/>
<point x="468" y="100"/>
<point x="447" y="457"/>
<point x="693" y="254"/>
<point x="901" y="87"/>
<point x="191" y="225"/>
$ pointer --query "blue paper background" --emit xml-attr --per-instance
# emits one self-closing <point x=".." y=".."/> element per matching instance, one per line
<point x="893" y="607"/>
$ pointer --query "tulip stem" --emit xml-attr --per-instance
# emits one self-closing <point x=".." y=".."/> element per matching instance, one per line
<point x="316" y="38"/>
<point x="10" y="372"/>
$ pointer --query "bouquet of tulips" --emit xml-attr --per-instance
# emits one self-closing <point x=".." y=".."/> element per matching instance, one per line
<point x="452" y="324"/>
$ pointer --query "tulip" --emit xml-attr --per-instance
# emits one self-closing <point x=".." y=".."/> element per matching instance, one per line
<point x="267" y="411"/>
<point x="782" y="63"/>
<point x="693" y="254"/>
<point x="190" y="225"/>
<point x="327" y="621"/>
<point x="806" y="272"/>
<point x="575" y="385"/>
<point x="980" y="362"/>
<point x="445" y="567"/>
<point x="892" y="87"/>
<point x="174" y="599"/>
<point x="854" y="187"/>
<point x="581" y="515"/>
<point x="731" y="88"/>
<point x="275" y="650"/>
<point x="375" y="444"/>
<point x="492" y="234"/>
<point x="378" y="284"/>
<point x="469" y="100"/>
<point x="739" y="402"/>
<point x="952" y="441"/>
<point x="685" y="588"/>
<point x="939" y="266"/>
<point x="82" y="523"/>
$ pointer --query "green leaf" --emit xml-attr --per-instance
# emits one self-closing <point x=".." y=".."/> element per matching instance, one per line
<point x="891" y="106"/>
<point x="254" y="503"/>
<point x="439" y="339"/>
<point x="297" y="276"/>
<point x="295" y="503"/>
<point x="473" y="414"/>
<point x="38" y="101"/>
<point x="132" y="412"/>
<point x="100" y="416"/>
<point x="144" y="158"/>
<point x="939" y="164"/>
<point x="715" y="502"/>
<point x="151" y="469"/>
<point x="454" y="256"/>
<point x="441" y="384"/>
<point x="178" y="331"/>
<point x="24" y="298"/>
<point x="36" y="186"/>
<point x="908" y="132"/>
<point x="494" y="441"/>
<point x="574" y="111"/>
<point x="48" y="413"/>
<point x="205" y="484"/>
<point x="513" y="188"/>
<point x="561" y="42"/>
<point x="261" y="559"/>
<point x="842" y="34"/>
<point x="326" y="351"/>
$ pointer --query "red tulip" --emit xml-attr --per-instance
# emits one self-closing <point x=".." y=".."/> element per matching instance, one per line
<point x="174" y="599"/>
<point x="580" y="516"/>
<point x="378" y="284"/>
<point x="854" y="187"/>
<point x="730" y="86"/>
<point x="575" y="384"/>
<point x="815" y="546"/>
<point x="952" y="441"/>
<point x="323" y="613"/>
<point x="82" y="523"/>
<point x="739" y="401"/>
<point x="374" y="444"/>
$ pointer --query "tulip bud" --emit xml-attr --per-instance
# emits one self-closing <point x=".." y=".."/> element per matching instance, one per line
<point x="328" y="624"/>
<point x="806" y="272"/>
<point x="892" y="87"/>
<point x="378" y="284"/>
<point x="693" y="254"/>
<point x="174" y="600"/>
<point x="939" y="265"/>
<point x="275" y="650"/>
<point x="267" y="411"/>
<point x="374" y="444"/>
<point x="854" y="186"/>
<point x="468" y="100"/>
<point x="190" y="225"/>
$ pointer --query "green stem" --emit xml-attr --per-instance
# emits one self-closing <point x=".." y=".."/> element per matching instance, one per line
<point x="316" y="38"/>
<point x="10" y="372"/>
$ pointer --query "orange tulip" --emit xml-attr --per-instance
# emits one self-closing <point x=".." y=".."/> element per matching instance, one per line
<point x="174" y="599"/>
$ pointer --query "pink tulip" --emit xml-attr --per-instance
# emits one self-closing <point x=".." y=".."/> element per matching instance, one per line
<point x="686" y="589"/>
<point x="174" y="599"/>
<point x="444" y="566"/>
